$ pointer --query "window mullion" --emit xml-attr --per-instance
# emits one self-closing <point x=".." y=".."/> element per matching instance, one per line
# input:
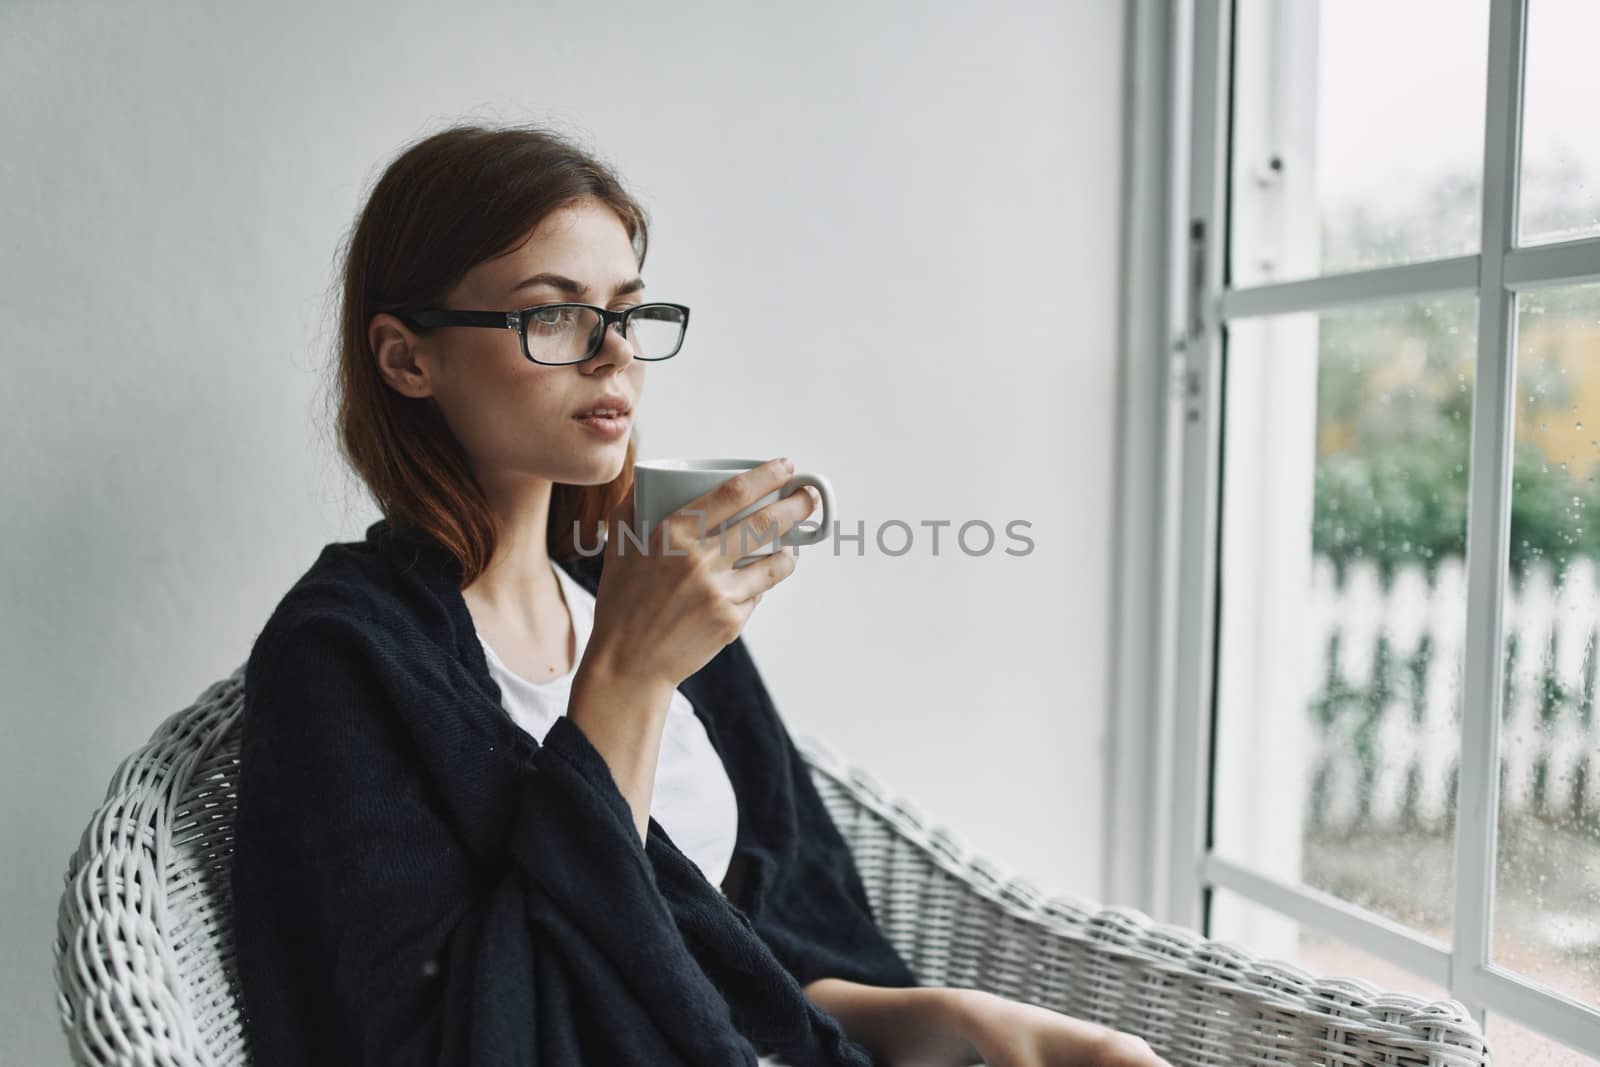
<point x="1566" y="264"/>
<point x="1489" y="510"/>
<point x="1194" y="675"/>
<point x="1137" y="811"/>
<point x="1383" y="285"/>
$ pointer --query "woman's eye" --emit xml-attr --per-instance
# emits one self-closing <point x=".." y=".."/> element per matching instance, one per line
<point x="553" y="322"/>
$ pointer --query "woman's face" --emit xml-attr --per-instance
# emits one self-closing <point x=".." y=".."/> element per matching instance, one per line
<point x="514" y="417"/>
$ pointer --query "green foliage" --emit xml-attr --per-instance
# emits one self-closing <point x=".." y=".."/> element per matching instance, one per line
<point x="1394" y="380"/>
<point x="1397" y="505"/>
<point x="1405" y="503"/>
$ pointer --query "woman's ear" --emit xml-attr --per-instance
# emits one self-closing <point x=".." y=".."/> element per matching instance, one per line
<point x="394" y="349"/>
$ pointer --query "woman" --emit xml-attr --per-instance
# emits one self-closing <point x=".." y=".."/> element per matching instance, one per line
<point x="458" y="732"/>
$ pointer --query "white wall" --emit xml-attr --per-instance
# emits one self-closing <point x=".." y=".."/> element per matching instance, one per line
<point x="896" y="223"/>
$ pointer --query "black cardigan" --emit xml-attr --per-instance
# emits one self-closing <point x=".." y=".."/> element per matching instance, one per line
<point x="416" y="880"/>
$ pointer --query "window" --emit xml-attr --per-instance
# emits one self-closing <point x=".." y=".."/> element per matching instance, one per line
<point x="1384" y="739"/>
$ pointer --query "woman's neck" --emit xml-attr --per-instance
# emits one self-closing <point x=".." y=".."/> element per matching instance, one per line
<point x="518" y="590"/>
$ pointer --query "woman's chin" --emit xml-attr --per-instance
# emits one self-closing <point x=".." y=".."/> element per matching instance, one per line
<point x="600" y="467"/>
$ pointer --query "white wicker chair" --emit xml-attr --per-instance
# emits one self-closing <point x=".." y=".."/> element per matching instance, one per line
<point x="144" y="955"/>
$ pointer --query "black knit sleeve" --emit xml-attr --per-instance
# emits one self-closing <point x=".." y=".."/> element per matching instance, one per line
<point x="802" y="888"/>
<point x="388" y="910"/>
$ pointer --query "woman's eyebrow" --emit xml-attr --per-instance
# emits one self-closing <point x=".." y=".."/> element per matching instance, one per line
<point x="572" y="288"/>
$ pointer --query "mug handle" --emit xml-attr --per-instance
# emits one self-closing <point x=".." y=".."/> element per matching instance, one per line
<point x="798" y="536"/>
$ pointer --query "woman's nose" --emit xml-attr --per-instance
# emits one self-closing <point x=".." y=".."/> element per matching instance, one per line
<point x="614" y="347"/>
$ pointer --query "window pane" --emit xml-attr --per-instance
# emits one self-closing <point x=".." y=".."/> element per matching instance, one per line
<point x="1343" y="602"/>
<point x="1524" y="1048"/>
<point x="1358" y="135"/>
<point x="1547" y="871"/>
<point x="1560" y="144"/>
<point x="1263" y="932"/>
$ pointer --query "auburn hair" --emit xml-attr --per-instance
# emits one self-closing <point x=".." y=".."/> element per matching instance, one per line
<point x="447" y="202"/>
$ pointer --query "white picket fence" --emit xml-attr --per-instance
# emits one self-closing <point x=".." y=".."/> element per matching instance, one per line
<point x="1387" y="758"/>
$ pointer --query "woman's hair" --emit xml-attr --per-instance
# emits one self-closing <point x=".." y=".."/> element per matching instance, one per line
<point x="445" y="204"/>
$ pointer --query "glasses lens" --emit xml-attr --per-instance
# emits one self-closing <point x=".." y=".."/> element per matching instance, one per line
<point x="656" y="331"/>
<point x="561" y="334"/>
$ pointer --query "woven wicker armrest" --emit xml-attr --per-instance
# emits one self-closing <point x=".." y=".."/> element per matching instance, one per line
<point x="959" y="920"/>
<point x="144" y="943"/>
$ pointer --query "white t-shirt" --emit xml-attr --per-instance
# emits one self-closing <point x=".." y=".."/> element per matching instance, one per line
<point x="692" y="799"/>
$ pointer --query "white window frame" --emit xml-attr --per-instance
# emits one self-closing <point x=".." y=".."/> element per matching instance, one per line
<point x="1158" y="856"/>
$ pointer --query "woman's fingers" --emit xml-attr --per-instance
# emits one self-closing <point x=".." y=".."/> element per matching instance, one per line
<point x="766" y="525"/>
<point x="753" y="579"/>
<point x="716" y="506"/>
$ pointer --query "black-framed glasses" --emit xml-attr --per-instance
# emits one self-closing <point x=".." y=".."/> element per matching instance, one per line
<point x="559" y="334"/>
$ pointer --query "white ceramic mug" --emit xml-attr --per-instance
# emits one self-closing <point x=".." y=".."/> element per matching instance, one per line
<point x="662" y="486"/>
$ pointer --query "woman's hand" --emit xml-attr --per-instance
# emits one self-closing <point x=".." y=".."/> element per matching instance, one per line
<point x="1008" y="1033"/>
<point x="662" y="613"/>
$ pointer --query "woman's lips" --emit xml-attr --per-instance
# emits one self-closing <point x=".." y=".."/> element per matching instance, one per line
<point x="605" y="425"/>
